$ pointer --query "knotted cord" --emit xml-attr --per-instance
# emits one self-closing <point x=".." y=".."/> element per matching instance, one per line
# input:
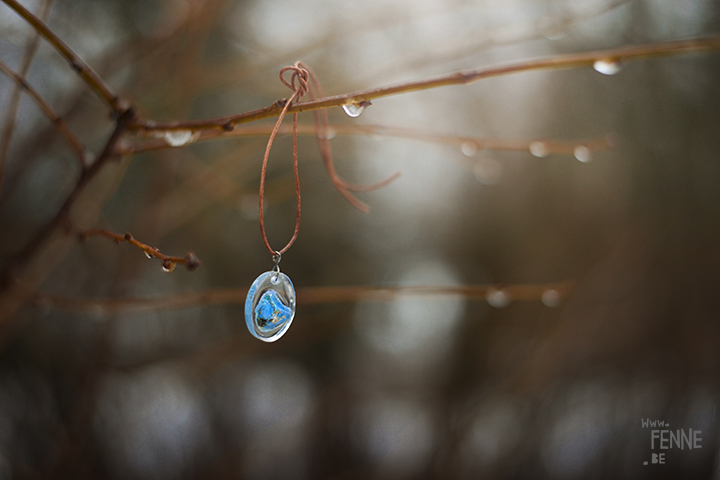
<point x="299" y="85"/>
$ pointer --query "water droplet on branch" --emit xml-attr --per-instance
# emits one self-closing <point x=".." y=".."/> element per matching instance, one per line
<point x="468" y="148"/>
<point x="551" y="298"/>
<point x="607" y="67"/>
<point x="168" y="266"/>
<point x="328" y="134"/>
<point x="178" y="138"/>
<point x="539" y="149"/>
<point x="356" y="109"/>
<point x="498" y="298"/>
<point x="582" y="153"/>
<point x="488" y="171"/>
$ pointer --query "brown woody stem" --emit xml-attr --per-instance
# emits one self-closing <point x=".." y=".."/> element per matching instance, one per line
<point x="190" y="260"/>
<point x="575" y="60"/>
<point x="77" y="63"/>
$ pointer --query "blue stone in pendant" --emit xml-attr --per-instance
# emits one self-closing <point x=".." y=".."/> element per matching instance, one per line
<point x="270" y="306"/>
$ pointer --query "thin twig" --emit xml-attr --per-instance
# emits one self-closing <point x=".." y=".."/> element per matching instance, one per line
<point x="83" y="69"/>
<point x="323" y="141"/>
<point x="60" y="219"/>
<point x="56" y="119"/>
<point x="306" y="296"/>
<point x="575" y="60"/>
<point x="560" y="24"/>
<point x="190" y="260"/>
<point x="550" y="146"/>
<point x="13" y="104"/>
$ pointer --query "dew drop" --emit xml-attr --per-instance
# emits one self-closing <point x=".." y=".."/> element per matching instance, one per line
<point x="148" y="255"/>
<point x="551" y="298"/>
<point x="468" y="148"/>
<point x="328" y="134"/>
<point x="498" y="298"/>
<point x="168" y="266"/>
<point x="607" y="67"/>
<point x="355" y="109"/>
<point x="582" y="153"/>
<point x="178" y="138"/>
<point x="488" y="171"/>
<point x="539" y="149"/>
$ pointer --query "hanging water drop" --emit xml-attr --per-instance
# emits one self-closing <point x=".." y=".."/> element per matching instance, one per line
<point x="148" y="255"/>
<point x="328" y="134"/>
<point x="607" y="66"/>
<point x="270" y="306"/>
<point x="468" y="148"/>
<point x="551" y="298"/>
<point x="498" y="298"/>
<point x="168" y="266"/>
<point x="178" y="138"/>
<point x="553" y="32"/>
<point x="539" y="149"/>
<point x="582" y="153"/>
<point x="488" y="171"/>
<point x="356" y="109"/>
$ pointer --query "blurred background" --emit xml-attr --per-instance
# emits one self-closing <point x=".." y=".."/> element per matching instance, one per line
<point x="406" y="387"/>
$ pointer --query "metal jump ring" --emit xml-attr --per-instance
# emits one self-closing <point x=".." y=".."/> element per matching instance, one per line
<point x="277" y="256"/>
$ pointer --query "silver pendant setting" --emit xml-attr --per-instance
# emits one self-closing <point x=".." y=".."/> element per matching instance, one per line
<point x="270" y="306"/>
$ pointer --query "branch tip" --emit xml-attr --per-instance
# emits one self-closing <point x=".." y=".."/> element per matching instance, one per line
<point x="192" y="262"/>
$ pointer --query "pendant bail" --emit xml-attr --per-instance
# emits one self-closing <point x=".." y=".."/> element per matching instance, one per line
<point x="277" y="256"/>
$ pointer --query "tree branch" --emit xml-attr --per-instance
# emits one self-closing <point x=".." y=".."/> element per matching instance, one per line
<point x="12" y="106"/>
<point x="556" y="62"/>
<point x="307" y="296"/>
<point x="83" y="69"/>
<point x="60" y="219"/>
<point x="548" y="146"/>
<point x="56" y="119"/>
<point x="190" y="260"/>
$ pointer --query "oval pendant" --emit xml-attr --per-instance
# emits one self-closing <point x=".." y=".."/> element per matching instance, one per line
<point x="270" y="306"/>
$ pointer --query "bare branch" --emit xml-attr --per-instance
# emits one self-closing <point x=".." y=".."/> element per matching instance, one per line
<point x="14" y="102"/>
<point x="190" y="260"/>
<point x="556" y="62"/>
<point x="56" y="119"/>
<point x="306" y="296"/>
<point x="549" y="146"/>
<point x="77" y="63"/>
<point x="60" y="219"/>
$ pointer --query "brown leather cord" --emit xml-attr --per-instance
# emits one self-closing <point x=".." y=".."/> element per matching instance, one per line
<point x="323" y="140"/>
<point x="299" y="85"/>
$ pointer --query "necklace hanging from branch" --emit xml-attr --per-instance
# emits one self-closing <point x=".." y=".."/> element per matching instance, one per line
<point x="270" y="303"/>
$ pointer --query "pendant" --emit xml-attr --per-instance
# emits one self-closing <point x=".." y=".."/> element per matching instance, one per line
<point x="270" y="306"/>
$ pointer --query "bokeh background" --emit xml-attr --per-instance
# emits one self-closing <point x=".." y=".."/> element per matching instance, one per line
<point x="405" y="386"/>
